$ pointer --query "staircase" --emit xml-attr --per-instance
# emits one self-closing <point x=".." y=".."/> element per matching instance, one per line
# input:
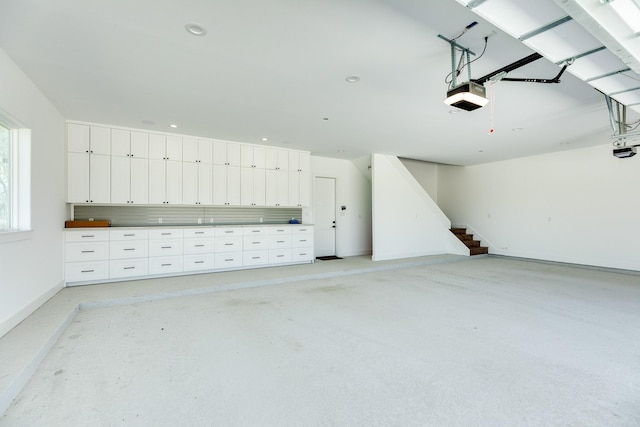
<point x="467" y="239"/>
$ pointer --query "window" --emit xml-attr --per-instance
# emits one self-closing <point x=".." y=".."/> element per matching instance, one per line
<point x="15" y="180"/>
<point x="5" y="179"/>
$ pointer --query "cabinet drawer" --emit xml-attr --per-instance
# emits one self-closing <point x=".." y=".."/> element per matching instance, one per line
<point x="255" y="258"/>
<point x="255" y="231"/>
<point x="197" y="232"/>
<point x="198" y="246"/>
<point x="227" y="231"/>
<point x="166" y="233"/>
<point x="253" y="243"/>
<point x="227" y="260"/>
<point x="167" y="264"/>
<point x="302" y="240"/>
<point x="128" y="268"/>
<point x="279" y="256"/>
<point x="279" y="242"/>
<point x="227" y="244"/>
<point x="302" y="254"/>
<point x="86" y="235"/>
<point x="127" y="234"/>
<point x="89" y="251"/>
<point x="82" y="271"/>
<point x="122" y="249"/>
<point x="166" y="247"/>
<point x="286" y="230"/>
<point x="198" y="262"/>
<point x="302" y="230"/>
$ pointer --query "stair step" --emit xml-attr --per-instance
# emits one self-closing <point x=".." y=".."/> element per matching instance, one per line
<point x="472" y="243"/>
<point x="480" y="250"/>
<point x="459" y="230"/>
<point x="465" y="237"/>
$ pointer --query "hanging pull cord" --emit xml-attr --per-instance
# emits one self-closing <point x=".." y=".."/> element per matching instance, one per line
<point x="492" y="97"/>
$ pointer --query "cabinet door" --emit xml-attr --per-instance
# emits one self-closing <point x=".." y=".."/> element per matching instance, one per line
<point x="246" y="156"/>
<point x="120" y="143"/>
<point x="283" y="159"/>
<point x="233" y="185"/>
<point x="219" y="153"/>
<point x="219" y="185"/>
<point x="174" y="182"/>
<point x="259" y="187"/>
<point x="304" y="164"/>
<point x="305" y="188"/>
<point x="246" y="190"/>
<point x="139" y="184"/>
<point x="120" y="179"/>
<point x="100" y="140"/>
<point x="157" y="181"/>
<point x="294" y="160"/>
<point x="139" y="145"/>
<point x="282" y="178"/>
<point x="189" y="150"/>
<point x="77" y="177"/>
<point x="77" y="138"/>
<point x="233" y="154"/>
<point x="189" y="183"/>
<point x="205" y="151"/>
<point x="205" y="183"/>
<point x="294" y="188"/>
<point x="271" y="189"/>
<point x="259" y="157"/>
<point x="157" y="146"/>
<point x="174" y="148"/>
<point x="99" y="179"/>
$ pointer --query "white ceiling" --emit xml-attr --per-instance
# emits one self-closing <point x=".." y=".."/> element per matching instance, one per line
<point x="276" y="69"/>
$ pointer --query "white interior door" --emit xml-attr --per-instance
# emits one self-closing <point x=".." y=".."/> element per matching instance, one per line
<point x="324" y="209"/>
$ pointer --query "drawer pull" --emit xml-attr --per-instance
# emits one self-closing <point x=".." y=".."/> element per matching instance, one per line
<point x="228" y="244"/>
<point x="165" y="247"/>
<point x="129" y="249"/>
<point x="88" y="252"/>
<point x="88" y="235"/>
<point x="129" y="235"/>
<point x="199" y="246"/>
<point x="199" y="262"/>
<point x="229" y="231"/>
<point x="129" y="268"/>
<point x="303" y="240"/>
<point x="280" y="241"/>
<point x="87" y="271"/>
<point x="165" y="265"/>
<point x="280" y="256"/>
<point x="199" y="232"/>
<point x="280" y="231"/>
<point x="255" y="231"/>
<point x="255" y="243"/>
<point x="255" y="257"/>
<point x="228" y="259"/>
<point x="302" y="254"/>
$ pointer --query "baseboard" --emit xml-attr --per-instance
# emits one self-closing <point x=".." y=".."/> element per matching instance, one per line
<point x="23" y="313"/>
<point x="570" y="264"/>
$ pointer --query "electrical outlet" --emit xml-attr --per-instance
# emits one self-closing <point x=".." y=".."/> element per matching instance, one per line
<point x="159" y="220"/>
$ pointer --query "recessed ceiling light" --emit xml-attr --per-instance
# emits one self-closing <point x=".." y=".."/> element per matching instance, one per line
<point x="173" y="126"/>
<point x="195" y="29"/>
<point x="352" y="79"/>
<point x="265" y="139"/>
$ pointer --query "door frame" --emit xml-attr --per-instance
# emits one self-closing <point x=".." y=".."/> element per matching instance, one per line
<point x="335" y="207"/>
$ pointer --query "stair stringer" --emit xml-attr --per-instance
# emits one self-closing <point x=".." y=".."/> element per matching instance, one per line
<point x="406" y="220"/>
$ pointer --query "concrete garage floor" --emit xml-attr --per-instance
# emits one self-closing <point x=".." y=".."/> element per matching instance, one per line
<point x="476" y="342"/>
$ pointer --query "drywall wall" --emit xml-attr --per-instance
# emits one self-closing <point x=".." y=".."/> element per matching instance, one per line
<point x="426" y="174"/>
<point x="31" y="268"/>
<point x="406" y="221"/>
<point x="353" y="190"/>
<point x="578" y="206"/>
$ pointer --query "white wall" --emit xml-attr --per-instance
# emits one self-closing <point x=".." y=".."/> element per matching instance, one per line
<point x="426" y="174"/>
<point x="580" y="206"/>
<point x="31" y="269"/>
<point x="406" y="221"/>
<point x="353" y="190"/>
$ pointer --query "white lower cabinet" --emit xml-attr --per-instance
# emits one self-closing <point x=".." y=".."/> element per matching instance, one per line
<point x="100" y="255"/>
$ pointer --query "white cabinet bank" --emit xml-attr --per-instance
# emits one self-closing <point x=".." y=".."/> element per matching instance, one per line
<point x="98" y="255"/>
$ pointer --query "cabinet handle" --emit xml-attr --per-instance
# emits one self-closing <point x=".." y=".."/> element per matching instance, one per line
<point x="228" y="231"/>
<point x="165" y="234"/>
<point x="129" y="235"/>
<point x="87" y="252"/>
<point x="255" y="243"/>
<point x="228" y="244"/>
<point x="280" y="256"/>
<point x="279" y="241"/>
<point x="165" y="265"/>
<point x="199" y="232"/>
<point x="199" y="246"/>
<point x="129" y="249"/>
<point x="255" y="257"/>
<point x="129" y="268"/>
<point x="87" y="271"/>
<point x="303" y="253"/>
<point x="165" y="247"/>
<point x="303" y="240"/>
<point x="87" y="235"/>
<point x="228" y="259"/>
<point x="199" y="262"/>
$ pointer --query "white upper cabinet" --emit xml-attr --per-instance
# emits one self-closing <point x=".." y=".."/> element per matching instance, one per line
<point x="197" y="150"/>
<point x="252" y="156"/>
<point x="299" y="161"/>
<point x="277" y="159"/>
<point x="226" y="153"/>
<point x="165" y="147"/>
<point x="129" y="144"/>
<point x="88" y="139"/>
